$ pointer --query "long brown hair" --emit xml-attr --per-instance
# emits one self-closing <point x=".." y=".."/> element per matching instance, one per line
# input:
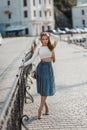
<point x="50" y="46"/>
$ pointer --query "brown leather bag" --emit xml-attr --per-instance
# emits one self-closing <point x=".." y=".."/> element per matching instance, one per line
<point x="33" y="74"/>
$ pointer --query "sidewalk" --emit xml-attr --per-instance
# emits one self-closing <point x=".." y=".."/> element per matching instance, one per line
<point x="68" y="107"/>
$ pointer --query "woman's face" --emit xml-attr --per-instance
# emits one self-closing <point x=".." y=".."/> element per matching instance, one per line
<point x="44" y="40"/>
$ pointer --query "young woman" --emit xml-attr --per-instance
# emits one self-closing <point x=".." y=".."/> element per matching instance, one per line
<point x="44" y="71"/>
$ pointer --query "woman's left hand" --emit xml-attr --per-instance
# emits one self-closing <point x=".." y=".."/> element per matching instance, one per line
<point x="22" y="66"/>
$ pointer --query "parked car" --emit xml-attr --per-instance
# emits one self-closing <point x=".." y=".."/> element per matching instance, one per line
<point x="60" y="31"/>
<point x="52" y="31"/>
<point x="79" y="30"/>
<point x="73" y="31"/>
<point x="68" y="31"/>
<point x="0" y="39"/>
<point x="85" y="30"/>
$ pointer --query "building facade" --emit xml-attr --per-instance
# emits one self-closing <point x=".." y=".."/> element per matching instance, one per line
<point x="79" y="14"/>
<point x="81" y="2"/>
<point x="31" y="16"/>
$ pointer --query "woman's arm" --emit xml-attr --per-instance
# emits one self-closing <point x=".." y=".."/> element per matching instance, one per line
<point x="36" y="52"/>
<point x="53" y="55"/>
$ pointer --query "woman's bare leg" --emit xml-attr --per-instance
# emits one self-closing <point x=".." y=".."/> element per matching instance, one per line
<point x="43" y="100"/>
<point x="46" y="109"/>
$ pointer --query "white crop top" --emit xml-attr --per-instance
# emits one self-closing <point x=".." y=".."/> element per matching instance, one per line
<point x="42" y="51"/>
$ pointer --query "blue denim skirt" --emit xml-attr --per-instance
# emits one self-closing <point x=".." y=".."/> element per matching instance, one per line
<point x="45" y="79"/>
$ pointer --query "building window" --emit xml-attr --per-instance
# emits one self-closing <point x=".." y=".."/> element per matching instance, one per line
<point x="45" y="13"/>
<point x="48" y="27"/>
<point x="44" y="1"/>
<point x="43" y="28"/>
<point x="8" y="2"/>
<point x="49" y="1"/>
<point x="25" y="14"/>
<point x="26" y="31"/>
<point x="39" y="1"/>
<point x="33" y="2"/>
<point x="25" y="2"/>
<point x="9" y="16"/>
<point x="83" y="12"/>
<point x="83" y="22"/>
<point x="34" y="13"/>
<point x="40" y="13"/>
<point x="49" y="13"/>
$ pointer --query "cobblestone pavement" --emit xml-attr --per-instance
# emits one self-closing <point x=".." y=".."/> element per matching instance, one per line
<point x="68" y="107"/>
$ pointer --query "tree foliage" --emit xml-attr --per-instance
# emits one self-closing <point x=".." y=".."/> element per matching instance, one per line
<point x="64" y="5"/>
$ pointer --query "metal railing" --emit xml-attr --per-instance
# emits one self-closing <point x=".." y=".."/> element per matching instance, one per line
<point x="11" y="117"/>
